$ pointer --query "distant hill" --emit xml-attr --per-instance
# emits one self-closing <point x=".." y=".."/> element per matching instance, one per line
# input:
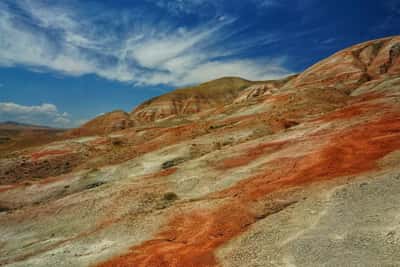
<point x="13" y="125"/>
<point x="16" y="135"/>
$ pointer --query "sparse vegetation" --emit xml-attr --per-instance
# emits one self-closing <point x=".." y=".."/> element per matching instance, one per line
<point x="170" y="196"/>
<point x="95" y="184"/>
<point x="171" y="163"/>
<point x="4" y="209"/>
<point x="117" y="142"/>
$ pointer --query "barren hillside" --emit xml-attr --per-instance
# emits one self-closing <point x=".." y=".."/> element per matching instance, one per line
<point x="303" y="171"/>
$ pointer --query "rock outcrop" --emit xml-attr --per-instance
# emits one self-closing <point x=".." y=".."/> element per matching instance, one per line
<point x="351" y="67"/>
<point x="263" y="89"/>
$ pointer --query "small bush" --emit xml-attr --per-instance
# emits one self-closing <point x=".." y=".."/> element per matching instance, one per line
<point x="4" y="209"/>
<point x="170" y="196"/>
<point x="172" y="163"/>
<point x="117" y="142"/>
<point x="94" y="185"/>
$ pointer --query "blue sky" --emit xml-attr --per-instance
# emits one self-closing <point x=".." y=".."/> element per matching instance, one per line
<point x="64" y="62"/>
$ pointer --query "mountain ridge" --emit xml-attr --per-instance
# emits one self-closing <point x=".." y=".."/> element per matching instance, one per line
<point x="359" y="64"/>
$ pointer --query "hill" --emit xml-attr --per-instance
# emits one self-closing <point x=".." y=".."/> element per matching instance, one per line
<point x="12" y="125"/>
<point x="104" y="124"/>
<point x="191" y="100"/>
<point x="303" y="171"/>
<point x="15" y="135"/>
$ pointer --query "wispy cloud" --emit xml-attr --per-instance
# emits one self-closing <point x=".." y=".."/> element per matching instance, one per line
<point x="328" y="41"/>
<point x="132" y="48"/>
<point x="218" y="7"/>
<point x="268" y="3"/>
<point x="46" y="114"/>
<point x="392" y="8"/>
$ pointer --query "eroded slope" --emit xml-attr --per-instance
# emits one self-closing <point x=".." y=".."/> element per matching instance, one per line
<point x="306" y="175"/>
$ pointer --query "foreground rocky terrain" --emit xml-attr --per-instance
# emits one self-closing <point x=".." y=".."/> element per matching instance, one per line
<point x="304" y="171"/>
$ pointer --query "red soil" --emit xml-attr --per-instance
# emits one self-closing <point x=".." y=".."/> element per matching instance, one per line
<point x="351" y="111"/>
<point x="41" y="154"/>
<point x="278" y="98"/>
<point x="162" y="173"/>
<point x="251" y="154"/>
<point x="44" y="181"/>
<point x="100" y="141"/>
<point x="190" y="239"/>
<point x="350" y="152"/>
<point x="5" y="188"/>
<point x="357" y="107"/>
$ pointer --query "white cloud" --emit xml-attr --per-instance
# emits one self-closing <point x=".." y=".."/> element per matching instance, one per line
<point x="19" y="109"/>
<point x="185" y="6"/>
<point x="31" y="47"/>
<point x="63" y="39"/>
<point x="328" y="41"/>
<point x="46" y="114"/>
<point x="62" y="121"/>
<point x="197" y="6"/>
<point x="154" y="51"/>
